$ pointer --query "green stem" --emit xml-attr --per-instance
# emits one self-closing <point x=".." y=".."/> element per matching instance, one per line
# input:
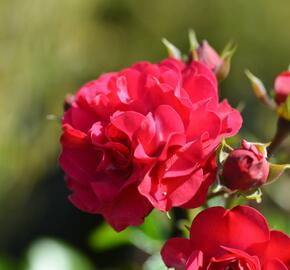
<point x="230" y="201"/>
<point x="282" y="132"/>
<point x="216" y="194"/>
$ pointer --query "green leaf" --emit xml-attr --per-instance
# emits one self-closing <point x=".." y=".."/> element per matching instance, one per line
<point x="157" y="225"/>
<point x="7" y="264"/>
<point x="151" y="235"/>
<point x="276" y="170"/>
<point x="154" y="262"/>
<point x="105" y="237"/>
<point x="148" y="237"/>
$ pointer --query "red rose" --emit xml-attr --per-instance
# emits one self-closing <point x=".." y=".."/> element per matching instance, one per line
<point x="229" y="239"/>
<point x="245" y="168"/>
<point x="282" y="87"/>
<point x="144" y="137"/>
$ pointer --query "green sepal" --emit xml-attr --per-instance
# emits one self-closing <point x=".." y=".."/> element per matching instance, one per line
<point x="256" y="195"/>
<point x="193" y="43"/>
<point x="224" y="69"/>
<point x="223" y="151"/>
<point x="276" y="170"/>
<point x="173" y="51"/>
<point x="284" y="109"/>
<point x="262" y="148"/>
<point x="257" y="85"/>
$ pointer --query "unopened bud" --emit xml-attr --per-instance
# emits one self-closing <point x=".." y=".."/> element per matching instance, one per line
<point x="282" y="87"/>
<point x="260" y="90"/>
<point x="245" y="168"/>
<point x="173" y="51"/>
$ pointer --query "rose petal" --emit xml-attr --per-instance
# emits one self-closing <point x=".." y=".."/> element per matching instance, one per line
<point x="238" y="228"/>
<point x="195" y="261"/>
<point x="128" y="122"/>
<point x="176" y="252"/>
<point x="129" y="209"/>
<point x="275" y="264"/>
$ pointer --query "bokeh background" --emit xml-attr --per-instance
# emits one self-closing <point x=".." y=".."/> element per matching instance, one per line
<point x="50" y="48"/>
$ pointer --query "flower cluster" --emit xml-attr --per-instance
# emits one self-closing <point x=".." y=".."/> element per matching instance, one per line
<point x="153" y="136"/>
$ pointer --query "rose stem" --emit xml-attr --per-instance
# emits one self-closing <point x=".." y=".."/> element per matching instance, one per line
<point x="282" y="132"/>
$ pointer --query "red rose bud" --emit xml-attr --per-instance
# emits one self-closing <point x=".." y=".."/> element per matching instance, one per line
<point x="219" y="64"/>
<point x="208" y="56"/>
<point x="205" y="54"/>
<point x="245" y="168"/>
<point x="282" y="87"/>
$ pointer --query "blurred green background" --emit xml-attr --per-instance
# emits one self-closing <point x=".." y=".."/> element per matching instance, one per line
<point x="50" y="48"/>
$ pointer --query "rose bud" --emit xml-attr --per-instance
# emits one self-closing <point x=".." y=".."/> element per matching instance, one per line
<point x="245" y="168"/>
<point x="208" y="56"/>
<point x="219" y="64"/>
<point x="282" y="87"/>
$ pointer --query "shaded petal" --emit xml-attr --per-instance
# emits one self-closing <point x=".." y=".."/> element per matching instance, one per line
<point x="73" y="138"/>
<point x="275" y="264"/>
<point x="80" y="164"/>
<point x="129" y="209"/>
<point x="167" y="193"/>
<point x="83" y="197"/>
<point x="209" y="174"/>
<point x="231" y="119"/>
<point x="176" y="252"/>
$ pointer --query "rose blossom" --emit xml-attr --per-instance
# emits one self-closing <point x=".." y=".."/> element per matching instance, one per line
<point x="237" y="239"/>
<point x="144" y="137"/>
<point x="245" y="168"/>
<point x="282" y="87"/>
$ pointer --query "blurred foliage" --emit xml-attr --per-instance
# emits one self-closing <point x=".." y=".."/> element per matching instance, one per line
<point x="48" y="254"/>
<point x="50" y="48"/>
<point x="148" y="237"/>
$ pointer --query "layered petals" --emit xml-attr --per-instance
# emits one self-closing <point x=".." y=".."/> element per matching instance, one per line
<point x="229" y="239"/>
<point x="144" y="137"/>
